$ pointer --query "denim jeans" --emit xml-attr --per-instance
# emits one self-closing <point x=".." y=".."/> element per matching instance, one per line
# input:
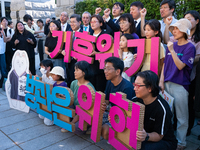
<point x="160" y="145"/>
<point x="3" y="68"/>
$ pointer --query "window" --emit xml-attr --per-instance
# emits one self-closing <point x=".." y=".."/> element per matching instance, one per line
<point x="7" y="10"/>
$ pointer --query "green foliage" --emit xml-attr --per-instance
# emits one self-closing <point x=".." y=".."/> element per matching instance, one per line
<point x="152" y="6"/>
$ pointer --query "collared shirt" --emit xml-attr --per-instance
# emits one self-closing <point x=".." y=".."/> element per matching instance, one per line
<point x="138" y="21"/>
<point x="63" y="26"/>
<point x="87" y="28"/>
<point x="163" y="25"/>
<point x="113" y="18"/>
<point x="28" y="28"/>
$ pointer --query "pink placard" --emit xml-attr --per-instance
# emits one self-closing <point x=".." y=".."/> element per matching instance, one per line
<point x="116" y="111"/>
<point x="86" y="36"/>
<point x="83" y="50"/>
<point x="155" y="43"/>
<point x="81" y="57"/>
<point x="83" y="89"/>
<point x="96" y="122"/>
<point x="133" y="124"/>
<point x="68" y="47"/>
<point x="59" y="45"/>
<point x="108" y="40"/>
<point x="116" y="43"/>
<point x="102" y="58"/>
<point x="117" y="100"/>
<point x="83" y="118"/>
<point x="140" y="44"/>
<point x="114" y="142"/>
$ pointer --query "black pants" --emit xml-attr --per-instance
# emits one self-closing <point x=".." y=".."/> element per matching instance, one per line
<point x="32" y="65"/>
<point x="9" y="55"/>
<point x="197" y="86"/>
<point x="70" y="72"/>
<point x="41" y="49"/>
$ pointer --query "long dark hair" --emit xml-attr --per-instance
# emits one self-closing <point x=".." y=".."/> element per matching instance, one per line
<point x="155" y="26"/>
<point x="130" y="19"/>
<point x="196" y="35"/>
<point x="57" y="23"/>
<point x="17" y="31"/>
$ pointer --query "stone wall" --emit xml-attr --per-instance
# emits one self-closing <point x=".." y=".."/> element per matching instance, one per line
<point x="38" y="9"/>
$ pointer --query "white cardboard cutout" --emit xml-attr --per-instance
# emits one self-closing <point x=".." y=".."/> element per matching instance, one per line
<point x="16" y="82"/>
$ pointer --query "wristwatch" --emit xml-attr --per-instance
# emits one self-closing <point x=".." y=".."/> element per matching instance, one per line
<point x="147" y="137"/>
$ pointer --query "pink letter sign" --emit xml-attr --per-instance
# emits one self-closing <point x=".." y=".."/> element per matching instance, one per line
<point x="126" y="118"/>
<point x="59" y="45"/>
<point x="89" y="110"/>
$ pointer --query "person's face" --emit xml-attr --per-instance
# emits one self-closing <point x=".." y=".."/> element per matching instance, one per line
<point x="29" y="23"/>
<point x="177" y="33"/>
<point x="20" y="27"/>
<point x="86" y="19"/>
<point x="135" y="12"/>
<point x="124" y="25"/>
<point x="63" y="18"/>
<point x="141" y="91"/>
<point x="75" y="25"/>
<point x="116" y="10"/>
<point x="4" y="23"/>
<point x="11" y="25"/>
<point x="165" y="11"/>
<point x="110" y="72"/>
<point x="95" y="25"/>
<point x="53" y="27"/>
<point x="55" y="77"/>
<point x="78" y="74"/>
<point x="149" y="33"/>
<point x="40" y="24"/>
<point x="123" y="42"/>
<point x="192" y="20"/>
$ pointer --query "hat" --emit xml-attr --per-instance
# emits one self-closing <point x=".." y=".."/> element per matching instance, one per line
<point x="183" y="25"/>
<point x="58" y="71"/>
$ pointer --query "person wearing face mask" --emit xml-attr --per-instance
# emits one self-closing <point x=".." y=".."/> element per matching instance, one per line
<point x="45" y="68"/>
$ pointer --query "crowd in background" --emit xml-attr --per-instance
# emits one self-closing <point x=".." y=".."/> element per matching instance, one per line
<point x="179" y="65"/>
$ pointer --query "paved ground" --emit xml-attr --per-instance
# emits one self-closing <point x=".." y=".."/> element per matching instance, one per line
<point x="19" y="130"/>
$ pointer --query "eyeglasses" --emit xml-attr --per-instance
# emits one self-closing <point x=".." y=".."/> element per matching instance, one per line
<point x="116" y="8"/>
<point x="165" y="7"/>
<point x="72" y="22"/>
<point x="107" y="69"/>
<point x="137" y="85"/>
<point x="93" y="22"/>
<point x="122" y="23"/>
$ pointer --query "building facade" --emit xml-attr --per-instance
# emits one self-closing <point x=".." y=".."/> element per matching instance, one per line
<point x="5" y="8"/>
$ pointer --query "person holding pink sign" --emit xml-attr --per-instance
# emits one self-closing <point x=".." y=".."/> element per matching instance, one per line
<point x="175" y="76"/>
<point x="126" y="54"/>
<point x="158" y="133"/>
<point x="83" y="74"/>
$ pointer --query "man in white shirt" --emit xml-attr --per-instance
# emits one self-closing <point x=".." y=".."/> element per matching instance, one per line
<point x="63" y="19"/>
<point x="86" y="20"/>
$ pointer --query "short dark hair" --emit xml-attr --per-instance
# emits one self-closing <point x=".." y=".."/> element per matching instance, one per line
<point x="9" y="22"/>
<point x="129" y="37"/>
<point x="47" y="63"/>
<point x="2" y="18"/>
<point x="78" y="17"/>
<point x="85" y="67"/>
<point x="120" y="5"/>
<point x="100" y="19"/>
<point x="130" y="19"/>
<point x="57" y="23"/>
<point x="171" y="3"/>
<point x="137" y="4"/>
<point x="53" y="18"/>
<point x="40" y="20"/>
<point x="117" y="63"/>
<point x="27" y="17"/>
<point x="151" y="80"/>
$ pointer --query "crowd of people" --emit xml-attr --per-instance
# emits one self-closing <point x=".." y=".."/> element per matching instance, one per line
<point x="179" y="65"/>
